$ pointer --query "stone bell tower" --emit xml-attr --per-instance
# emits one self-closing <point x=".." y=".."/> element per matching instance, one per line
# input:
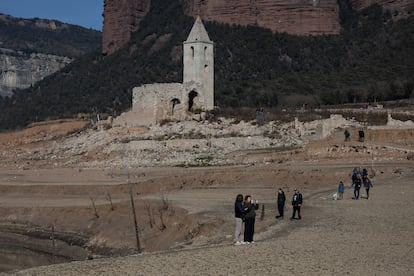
<point x="199" y="66"/>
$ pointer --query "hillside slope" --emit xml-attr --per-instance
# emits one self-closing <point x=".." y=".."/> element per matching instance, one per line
<point x="371" y="60"/>
<point x="31" y="49"/>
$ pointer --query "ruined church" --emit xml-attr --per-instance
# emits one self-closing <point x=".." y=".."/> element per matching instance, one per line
<point x="154" y="103"/>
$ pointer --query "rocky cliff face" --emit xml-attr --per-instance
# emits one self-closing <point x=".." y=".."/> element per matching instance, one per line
<point x="121" y="17"/>
<point x="398" y="8"/>
<point x="302" y="17"/>
<point x="31" y="49"/>
<point x="20" y="70"/>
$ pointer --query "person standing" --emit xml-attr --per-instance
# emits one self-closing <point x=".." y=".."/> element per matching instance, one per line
<point x="249" y="218"/>
<point x="239" y="215"/>
<point x="341" y="190"/>
<point x="296" y="203"/>
<point x="281" y="199"/>
<point x="347" y="135"/>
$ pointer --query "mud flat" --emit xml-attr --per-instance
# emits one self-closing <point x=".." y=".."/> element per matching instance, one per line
<point x="343" y="237"/>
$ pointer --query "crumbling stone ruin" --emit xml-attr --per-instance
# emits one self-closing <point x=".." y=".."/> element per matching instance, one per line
<point x="154" y="103"/>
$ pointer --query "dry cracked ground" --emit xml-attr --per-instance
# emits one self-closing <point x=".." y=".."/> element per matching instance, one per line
<point x="61" y="211"/>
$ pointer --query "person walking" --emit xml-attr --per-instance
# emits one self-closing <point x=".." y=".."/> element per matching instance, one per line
<point x="281" y="199"/>
<point x="367" y="185"/>
<point x="249" y="218"/>
<point x="296" y="203"/>
<point x="357" y="186"/>
<point x="341" y="190"/>
<point x="355" y="174"/>
<point x="239" y="216"/>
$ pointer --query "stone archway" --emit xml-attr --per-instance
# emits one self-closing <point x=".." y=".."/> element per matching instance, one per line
<point x="191" y="96"/>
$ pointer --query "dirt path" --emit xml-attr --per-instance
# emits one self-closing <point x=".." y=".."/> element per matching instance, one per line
<point x="344" y="237"/>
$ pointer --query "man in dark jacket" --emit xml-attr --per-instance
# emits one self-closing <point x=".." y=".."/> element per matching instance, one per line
<point x="357" y="186"/>
<point x="250" y="206"/>
<point x="280" y="202"/>
<point x="296" y="203"/>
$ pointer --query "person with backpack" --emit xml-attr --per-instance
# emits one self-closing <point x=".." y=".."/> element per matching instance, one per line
<point x="296" y="203"/>
<point x="239" y="216"/>
<point x="281" y="199"/>
<point x="250" y="207"/>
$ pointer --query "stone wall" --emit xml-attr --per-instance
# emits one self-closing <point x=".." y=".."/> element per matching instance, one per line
<point x="321" y="129"/>
<point x="154" y="103"/>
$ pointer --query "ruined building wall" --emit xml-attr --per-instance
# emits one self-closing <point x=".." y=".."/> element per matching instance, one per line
<point x="153" y="103"/>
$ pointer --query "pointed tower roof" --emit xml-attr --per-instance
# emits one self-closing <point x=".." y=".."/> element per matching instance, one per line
<point x="198" y="32"/>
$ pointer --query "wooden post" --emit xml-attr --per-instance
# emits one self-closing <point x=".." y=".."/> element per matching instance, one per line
<point x="53" y="245"/>
<point x="135" y="215"/>
<point x="94" y="207"/>
<point x="262" y="214"/>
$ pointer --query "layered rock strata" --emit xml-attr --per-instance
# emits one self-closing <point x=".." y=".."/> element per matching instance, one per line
<point x="121" y="18"/>
<point x="302" y="17"/>
<point x="20" y="70"/>
<point x="398" y="8"/>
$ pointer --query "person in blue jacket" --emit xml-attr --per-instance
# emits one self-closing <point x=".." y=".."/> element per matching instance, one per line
<point x="341" y="190"/>
<point x="239" y="217"/>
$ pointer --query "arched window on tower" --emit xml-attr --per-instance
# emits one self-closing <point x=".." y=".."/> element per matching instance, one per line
<point x="205" y="52"/>
<point x="192" y="51"/>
